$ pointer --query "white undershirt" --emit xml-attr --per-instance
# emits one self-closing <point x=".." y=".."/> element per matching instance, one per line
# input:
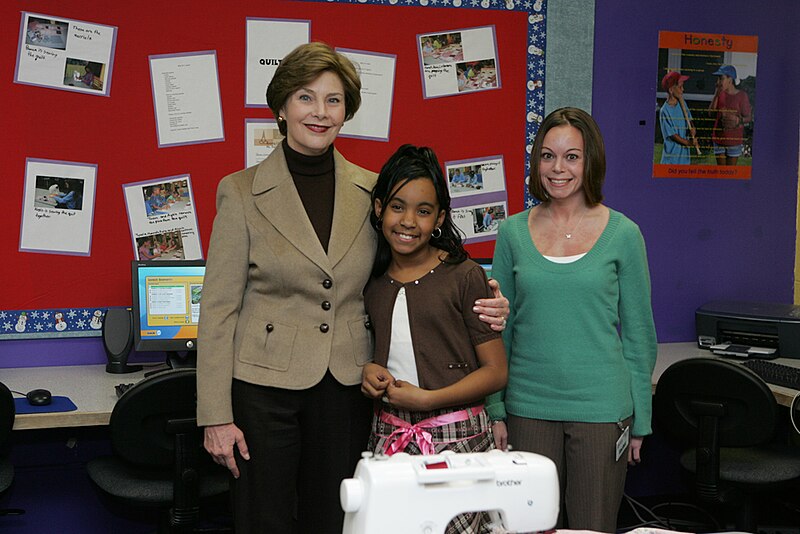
<point x="402" y="364"/>
<point x="565" y="259"/>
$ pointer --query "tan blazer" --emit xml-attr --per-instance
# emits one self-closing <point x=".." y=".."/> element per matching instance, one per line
<point x="276" y="310"/>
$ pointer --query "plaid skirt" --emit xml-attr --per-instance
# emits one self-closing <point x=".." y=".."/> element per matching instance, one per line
<point x="474" y="434"/>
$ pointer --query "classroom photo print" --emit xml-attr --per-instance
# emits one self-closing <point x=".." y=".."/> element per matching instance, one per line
<point x="58" y="192"/>
<point x="465" y="179"/>
<point x="476" y="75"/>
<point x="442" y="48"/>
<point x="267" y="137"/>
<point x="160" y="246"/>
<point x="165" y="198"/>
<point x="84" y="74"/>
<point x="47" y="33"/>
<point x="486" y="219"/>
<point x="476" y="177"/>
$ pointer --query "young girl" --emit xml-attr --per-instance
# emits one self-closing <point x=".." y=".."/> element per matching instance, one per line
<point x="434" y="360"/>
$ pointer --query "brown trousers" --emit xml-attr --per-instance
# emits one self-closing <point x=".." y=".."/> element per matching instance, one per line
<point x="590" y="477"/>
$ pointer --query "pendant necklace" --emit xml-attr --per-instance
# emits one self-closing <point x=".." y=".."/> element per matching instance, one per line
<point x="568" y="235"/>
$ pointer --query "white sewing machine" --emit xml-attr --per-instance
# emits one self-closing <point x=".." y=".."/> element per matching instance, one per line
<point x="404" y="494"/>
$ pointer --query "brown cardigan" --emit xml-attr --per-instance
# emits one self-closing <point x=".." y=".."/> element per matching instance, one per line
<point x="444" y="329"/>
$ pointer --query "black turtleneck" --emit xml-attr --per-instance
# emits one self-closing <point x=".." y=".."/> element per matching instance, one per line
<point x="315" y="183"/>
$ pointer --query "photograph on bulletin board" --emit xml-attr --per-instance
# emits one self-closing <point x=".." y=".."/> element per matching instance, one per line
<point x="458" y="61"/>
<point x="261" y="136"/>
<point x="480" y="222"/>
<point x="58" y="207"/>
<point x="66" y="54"/>
<point x="705" y="101"/>
<point x="162" y="219"/>
<point x="478" y="189"/>
<point x="476" y="177"/>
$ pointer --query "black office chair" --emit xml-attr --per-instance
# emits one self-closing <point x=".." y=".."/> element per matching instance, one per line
<point x="158" y="457"/>
<point x="729" y="415"/>
<point x="7" y="414"/>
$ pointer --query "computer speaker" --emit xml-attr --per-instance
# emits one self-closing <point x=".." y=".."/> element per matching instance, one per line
<point x="118" y="340"/>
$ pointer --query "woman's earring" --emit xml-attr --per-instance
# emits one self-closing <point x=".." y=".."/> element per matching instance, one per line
<point x="436" y="235"/>
<point x="378" y="224"/>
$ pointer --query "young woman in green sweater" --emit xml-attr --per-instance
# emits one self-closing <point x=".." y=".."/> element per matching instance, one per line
<point x="580" y="340"/>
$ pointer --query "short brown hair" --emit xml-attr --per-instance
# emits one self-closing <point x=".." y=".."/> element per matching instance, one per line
<point x="302" y="66"/>
<point x="594" y="168"/>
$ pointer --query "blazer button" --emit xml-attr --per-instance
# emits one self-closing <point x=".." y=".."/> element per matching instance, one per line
<point x="270" y="328"/>
<point x="327" y="283"/>
<point x="324" y="328"/>
<point x="326" y="305"/>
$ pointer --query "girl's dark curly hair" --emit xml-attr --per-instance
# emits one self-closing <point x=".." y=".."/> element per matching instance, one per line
<point x="406" y="164"/>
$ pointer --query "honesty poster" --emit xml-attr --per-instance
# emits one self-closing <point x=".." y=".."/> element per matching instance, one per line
<point x="705" y="100"/>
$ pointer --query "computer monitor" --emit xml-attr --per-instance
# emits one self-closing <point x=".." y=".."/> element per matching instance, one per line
<point x="166" y="307"/>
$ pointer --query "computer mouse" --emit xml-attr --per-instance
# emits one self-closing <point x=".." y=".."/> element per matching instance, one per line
<point x="39" y="397"/>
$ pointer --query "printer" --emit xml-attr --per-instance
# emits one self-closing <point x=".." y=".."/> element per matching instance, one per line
<point x="757" y="326"/>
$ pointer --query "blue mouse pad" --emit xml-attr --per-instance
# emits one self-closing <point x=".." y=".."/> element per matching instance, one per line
<point x="59" y="404"/>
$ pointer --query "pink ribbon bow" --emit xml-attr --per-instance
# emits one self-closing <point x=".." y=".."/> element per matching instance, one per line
<point x="399" y="439"/>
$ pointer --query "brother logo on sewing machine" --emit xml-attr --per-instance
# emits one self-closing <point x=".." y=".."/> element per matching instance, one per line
<point x="519" y="489"/>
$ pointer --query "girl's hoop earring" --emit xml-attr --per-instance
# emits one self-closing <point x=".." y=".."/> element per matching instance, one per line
<point x="378" y="224"/>
<point x="436" y="235"/>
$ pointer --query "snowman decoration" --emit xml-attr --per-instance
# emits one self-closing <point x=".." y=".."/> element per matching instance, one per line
<point x="21" y="321"/>
<point x="96" y="323"/>
<point x="61" y="324"/>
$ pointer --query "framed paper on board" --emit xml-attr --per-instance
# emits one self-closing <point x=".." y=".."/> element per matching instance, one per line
<point x="66" y="54"/>
<point x="58" y="207"/>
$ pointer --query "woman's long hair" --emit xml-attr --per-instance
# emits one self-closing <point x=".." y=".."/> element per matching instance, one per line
<point x="406" y="164"/>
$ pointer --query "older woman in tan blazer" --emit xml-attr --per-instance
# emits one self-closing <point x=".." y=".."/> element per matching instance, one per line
<point x="283" y="332"/>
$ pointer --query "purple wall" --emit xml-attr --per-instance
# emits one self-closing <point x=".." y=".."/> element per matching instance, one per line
<point x="706" y="239"/>
<point x="54" y="352"/>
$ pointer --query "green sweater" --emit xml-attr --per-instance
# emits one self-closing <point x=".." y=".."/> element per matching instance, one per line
<point x="580" y="339"/>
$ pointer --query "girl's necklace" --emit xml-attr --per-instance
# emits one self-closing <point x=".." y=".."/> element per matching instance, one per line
<point x="568" y="235"/>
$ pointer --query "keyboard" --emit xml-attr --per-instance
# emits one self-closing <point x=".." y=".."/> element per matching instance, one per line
<point x="775" y="373"/>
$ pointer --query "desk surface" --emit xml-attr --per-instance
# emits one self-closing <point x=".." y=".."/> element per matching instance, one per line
<point x="88" y="386"/>
<point x="669" y="353"/>
<point x="92" y="389"/>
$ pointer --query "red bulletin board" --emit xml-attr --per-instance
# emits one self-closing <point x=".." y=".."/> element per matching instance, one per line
<point x="118" y="133"/>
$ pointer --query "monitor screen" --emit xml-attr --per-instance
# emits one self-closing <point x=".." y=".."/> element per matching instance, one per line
<point x="166" y="304"/>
